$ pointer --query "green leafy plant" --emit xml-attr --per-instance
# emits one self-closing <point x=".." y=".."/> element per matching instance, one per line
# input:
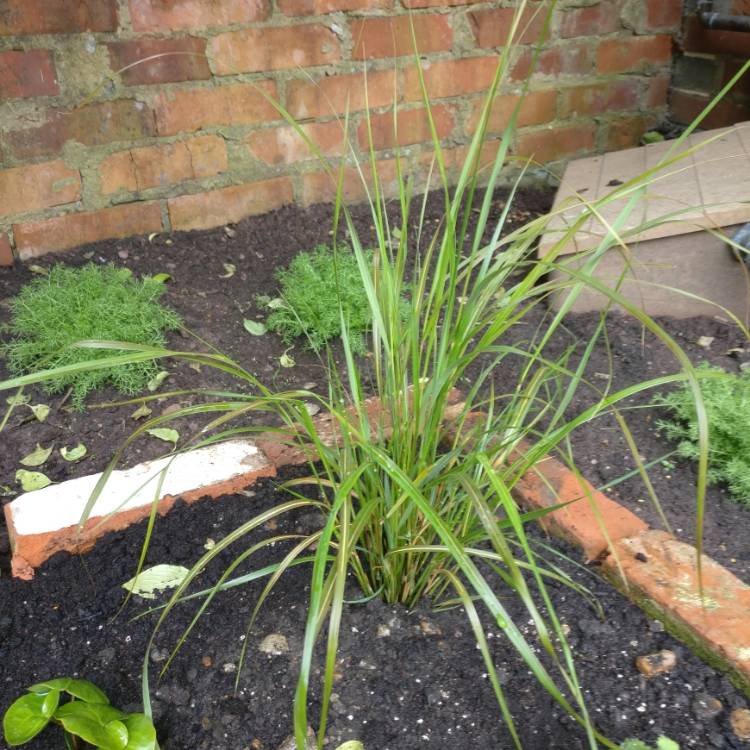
<point x="316" y="288"/>
<point x="663" y="743"/>
<point x="419" y="485"/>
<point x="87" y="717"/>
<point x="727" y="402"/>
<point x="54" y="312"/>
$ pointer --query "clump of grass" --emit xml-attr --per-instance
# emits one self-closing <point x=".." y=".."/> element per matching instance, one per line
<point x="53" y="312"/>
<point x="727" y="402"/>
<point x="317" y="286"/>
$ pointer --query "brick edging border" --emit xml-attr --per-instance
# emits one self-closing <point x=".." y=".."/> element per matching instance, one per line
<point x="652" y="568"/>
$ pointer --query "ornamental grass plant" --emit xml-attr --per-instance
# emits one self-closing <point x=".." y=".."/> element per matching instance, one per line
<point x="418" y="493"/>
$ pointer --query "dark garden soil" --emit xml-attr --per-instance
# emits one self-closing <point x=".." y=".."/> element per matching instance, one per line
<point x="409" y="689"/>
<point x="405" y="680"/>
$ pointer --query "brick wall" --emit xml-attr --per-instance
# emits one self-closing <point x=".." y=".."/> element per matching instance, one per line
<point x="707" y="59"/>
<point x="94" y="144"/>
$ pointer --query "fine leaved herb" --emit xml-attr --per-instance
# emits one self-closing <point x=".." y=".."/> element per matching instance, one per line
<point x="53" y="312"/>
<point x="727" y="401"/>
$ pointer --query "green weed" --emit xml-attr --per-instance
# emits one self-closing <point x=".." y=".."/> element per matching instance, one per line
<point x="727" y="400"/>
<point x="54" y="312"/>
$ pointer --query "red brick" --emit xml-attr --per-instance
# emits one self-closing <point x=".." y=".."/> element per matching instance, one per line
<point x="147" y="61"/>
<point x="572" y="59"/>
<point x="334" y="94"/>
<point x="319" y="187"/>
<point x="193" y="109"/>
<point x="57" y="16"/>
<point x="169" y="15"/>
<point x="46" y="235"/>
<point x="740" y="7"/>
<point x="626" y="132"/>
<point x="412" y="127"/>
<point x="277" y="48"/>
<point x="538" y="108"/>
<point x="685" y="106"/>
<point x="550" y="483"/>
<point x="38" y="186"/>
<point x="24" y="74"/>
<point x="633" y="53"/>
<point x="657" y="91"/>
<point x="742" y="87"/>
<point x="156" y="166"/>
<point x="662" y="573"/>
<point x="663" y="14"/>
<point x="556" y="143"/>
<point x="284" y="145"/>
<point x="6" y="253"/>
<point x="436" y="3"/>
<point x="594" y="20"/>
<point x="711" y="42"/>
<point x="491" y="27"/>
<point x="229" y="205"/>
<point x="91" y="125"/>
<point x="392" y="37"/>
<point x="321" y="7"/>
<point x="598" y="98"/>
<point x="445" y="78"/>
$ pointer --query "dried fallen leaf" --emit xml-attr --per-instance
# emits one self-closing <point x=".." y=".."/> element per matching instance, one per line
<point x="157" y="380"/>
<point x="255" y="327"/>
<point x="148" y="582"/>
<point x="705" y="341"/>
<point x="141" y="412"/>
<point x="230" y="269"/>
<point x="18" y="400"/>
<point x="41" y="411"/>
<point x="167" y="434"/>
<point x="74" y="454"/>
<point x="286" y="360"/>
<point x="37" y="457"/>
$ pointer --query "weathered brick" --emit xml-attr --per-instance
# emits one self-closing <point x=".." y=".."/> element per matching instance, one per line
<point x="229" y="205"/>
<point x="334" y="94"/>
<point x="38" y="186"/>
<point x="24" y="74"/>
<point x="633" y="53"/>
<point x="445" y="78"/>
<point x="321" y="7"/>
<point x="661" y="573"/>
<point x="698" y="38"/>
<point x="91" y="125"/>
<point x="284" y="145"/>
<point x="731" y="68"/>
<point x="571" y="59"/>
<point x="319" y="187"/>
<point x="626" y="132"/>
<point x="550" y="483"/>
<point x="6" y="252"/>
<point x="412" y="126"/>
<point x="392" y="37"/>
<point x="436" y="3"/>
<point x="196" y="108"/>
<point x="272" y="48"/>
<point x="168" y="15"/>
<point x="62" y="232"/>
<point x="57" y="16"/>
<point x="147" y="61"/>
<point x="155" y="166"/>
<point x="657" y="91"/>
<point x="663" y="14"/>
<point x="597" y="98"/>
<point x="555" y="143"/>
<point x="685" y="106"/>
<point x="594" y="20"/>
<point x="538" y="107"/>
<point x="491" y="27"/>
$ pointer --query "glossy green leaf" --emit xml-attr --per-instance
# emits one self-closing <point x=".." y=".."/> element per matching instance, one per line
<point x="162" y="278"/>
<point x="141" y="732"/>
<point x="167" y="434"/>
<point x="74" y="454"/>
<point x="255" y="327"/>
<point x="37" y="457"/>
<point x="158" y="578"/>
<point x="40" y="411"/>
<point x="32" y="480"/>
<point x="157" y="380"/>
<point x="96" y="723"/>
<point x="25" y="719"/>
<point x="81" y="689"/>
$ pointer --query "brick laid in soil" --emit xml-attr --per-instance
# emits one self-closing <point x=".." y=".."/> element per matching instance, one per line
<point x="394" y="690"/>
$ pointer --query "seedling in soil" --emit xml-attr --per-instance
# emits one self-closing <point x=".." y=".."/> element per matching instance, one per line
<point x="86" y="718"/>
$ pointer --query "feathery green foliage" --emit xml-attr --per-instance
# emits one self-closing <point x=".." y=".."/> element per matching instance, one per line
<point x="316" y="287"/>
<point x="53" y="312"/>
<point x="727" y="400"/>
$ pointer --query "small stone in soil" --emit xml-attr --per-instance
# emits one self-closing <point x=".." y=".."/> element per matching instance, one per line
<point x="706" y="707"/>
<point x="657" y="663"/>
<point x="429" y="628"/>
<point x="207" y="661"/>
<point x="740" y="720"/>
<point x="274" y="644"/>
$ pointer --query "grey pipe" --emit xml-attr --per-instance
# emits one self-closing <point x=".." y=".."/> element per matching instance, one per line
<point x="721" y="21"/>
<point x="742" y="238"/>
